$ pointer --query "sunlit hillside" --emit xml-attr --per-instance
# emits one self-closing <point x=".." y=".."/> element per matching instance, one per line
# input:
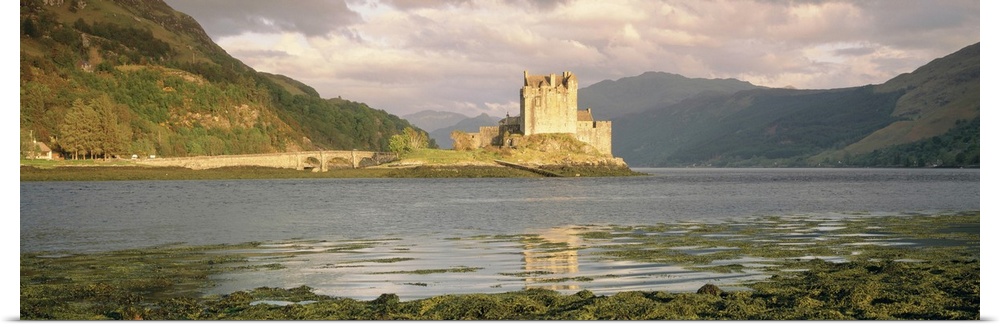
<point x="115" y="78"/>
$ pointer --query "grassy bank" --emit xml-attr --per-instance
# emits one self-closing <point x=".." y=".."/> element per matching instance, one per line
<point x="427" y="164"/>
<point x="560" y="154"/>
<point x="930" y="270"/>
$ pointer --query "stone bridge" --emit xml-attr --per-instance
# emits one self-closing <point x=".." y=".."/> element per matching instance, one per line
<point x="313" y="160"/>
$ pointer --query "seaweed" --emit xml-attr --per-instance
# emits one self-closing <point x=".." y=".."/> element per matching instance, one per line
<point x="914" y="268"/>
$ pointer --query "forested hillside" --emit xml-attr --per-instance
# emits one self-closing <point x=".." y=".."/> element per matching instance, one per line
<point x="959" y="147"/>
<point x="753" y="127"/>
<point x="113" y="78"/>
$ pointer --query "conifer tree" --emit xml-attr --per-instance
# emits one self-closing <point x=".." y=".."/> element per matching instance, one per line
<point x="96" y="128"/>
<point x="114" y="133"/>
<point x="76" y="131"/>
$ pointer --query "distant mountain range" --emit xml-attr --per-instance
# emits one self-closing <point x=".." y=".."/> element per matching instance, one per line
<point x="650" y="90"/>
<point x="926" y="118"/>
<point x="430" y="120"/>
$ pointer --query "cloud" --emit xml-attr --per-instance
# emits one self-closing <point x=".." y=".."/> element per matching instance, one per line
<point x="417" y="4"/>
<point x="467" y="56"/>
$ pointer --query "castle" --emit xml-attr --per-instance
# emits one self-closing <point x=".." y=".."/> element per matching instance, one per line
<point x="548" y="105"/>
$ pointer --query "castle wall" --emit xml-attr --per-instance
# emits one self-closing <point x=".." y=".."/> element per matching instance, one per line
<point x="595" y="133"/>
<point x="548" y="104"/>
<point x="489" y="135"/>
<point x="474" y="141"/>
<point x="510" y="125"/>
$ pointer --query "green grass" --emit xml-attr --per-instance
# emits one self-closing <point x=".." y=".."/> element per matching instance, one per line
<point x="448" y="157"/>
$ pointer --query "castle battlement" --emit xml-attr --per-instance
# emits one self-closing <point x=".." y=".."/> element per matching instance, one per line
<point x="565" y="81"/>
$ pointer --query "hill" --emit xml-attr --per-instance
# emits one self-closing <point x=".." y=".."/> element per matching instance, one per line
<point x="431" y="120"/>
<point x="937" y="96"/>
<point x="651" y="90"/>
<point x="925" y="118"/>
<point x="113" y="78"/>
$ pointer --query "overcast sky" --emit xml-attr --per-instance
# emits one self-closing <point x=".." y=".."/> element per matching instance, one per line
<point x="465" y="56"/>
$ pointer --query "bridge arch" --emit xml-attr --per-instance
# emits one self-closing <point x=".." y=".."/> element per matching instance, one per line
<point x="311" y="162"/>
<point x="339" y="163"/>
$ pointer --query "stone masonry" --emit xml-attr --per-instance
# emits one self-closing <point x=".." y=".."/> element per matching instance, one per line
<point x="313" y="160"/>
<point x="549" y="105"/>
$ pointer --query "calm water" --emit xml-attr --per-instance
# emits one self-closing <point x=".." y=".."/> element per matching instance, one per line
<point x="425" y="216"/>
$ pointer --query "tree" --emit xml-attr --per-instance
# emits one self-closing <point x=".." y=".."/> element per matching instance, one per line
<point x="415" y="139"/>
<point x="398" y="144"/>
<point x="115" y="135"/>
<point x="99" y="127"/>
<point x="410" y="140"/>
<point x="77" y="129"/>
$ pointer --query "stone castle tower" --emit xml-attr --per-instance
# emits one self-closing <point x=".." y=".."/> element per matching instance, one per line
<point x="548" y="105"/>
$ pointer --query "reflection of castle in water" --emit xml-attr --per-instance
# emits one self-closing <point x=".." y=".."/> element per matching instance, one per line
<point x="544" y="262"/>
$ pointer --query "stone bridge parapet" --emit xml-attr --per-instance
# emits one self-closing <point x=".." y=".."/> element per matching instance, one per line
<point x="314" y="160"/>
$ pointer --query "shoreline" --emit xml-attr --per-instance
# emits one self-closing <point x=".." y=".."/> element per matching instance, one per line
<point x="169" y="282"/>
<point x="137" y="172"/>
